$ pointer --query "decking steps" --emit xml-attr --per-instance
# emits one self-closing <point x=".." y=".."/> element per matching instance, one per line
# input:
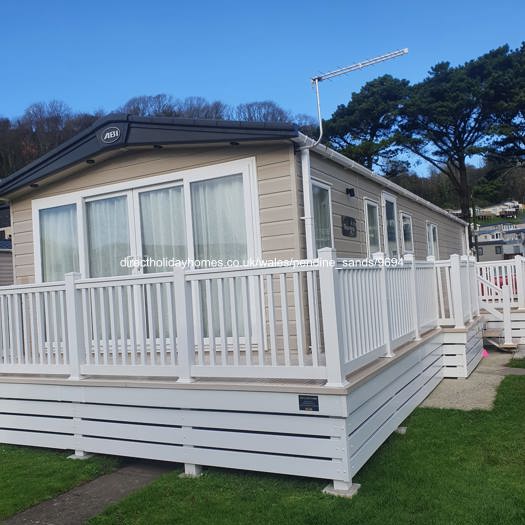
<point x="501" y="346"/>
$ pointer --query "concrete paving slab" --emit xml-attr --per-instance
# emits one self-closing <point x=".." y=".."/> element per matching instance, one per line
<point x="477" y="392"/>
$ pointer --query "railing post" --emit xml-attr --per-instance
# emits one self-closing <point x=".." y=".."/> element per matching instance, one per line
<point x="475" y="285"/>
<point x="184" y="321"/>
<point x="507" y="321"/>
<point x="331" y="312"/>
<point x="409" y="259"/>
<point x="385" y="321"/>
<point x="455" y="284"/>
<point x="435" y="291"/>
<point x="520" y="280"/>
<point x="468" y="284"/>
<point x="74" y="325"/>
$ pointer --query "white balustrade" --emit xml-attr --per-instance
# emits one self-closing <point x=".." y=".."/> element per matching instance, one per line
<point x="316" y="320"/>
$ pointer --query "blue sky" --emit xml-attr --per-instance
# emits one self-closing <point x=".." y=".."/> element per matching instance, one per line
<point x="97" y="54"/>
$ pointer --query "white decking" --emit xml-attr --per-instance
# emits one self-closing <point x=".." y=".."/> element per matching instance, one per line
<point x="309" y="369"/>
<point x="251" y="425"/>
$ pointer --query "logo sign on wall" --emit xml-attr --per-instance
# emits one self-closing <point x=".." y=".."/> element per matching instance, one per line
<point x="110" y="135"/>
<point x="349" y="226"/>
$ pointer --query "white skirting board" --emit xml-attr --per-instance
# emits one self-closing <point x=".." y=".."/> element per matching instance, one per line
<point x="251" y="430"/>
<point x="379" y="406"/>
<point x="517" y="324"/>
<point x="462" y="350"/>
<point x="262" y="431"/>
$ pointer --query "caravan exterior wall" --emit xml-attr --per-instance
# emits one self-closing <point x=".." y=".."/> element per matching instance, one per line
<point x="278" y="200"/>
<point x="450" y="232"/>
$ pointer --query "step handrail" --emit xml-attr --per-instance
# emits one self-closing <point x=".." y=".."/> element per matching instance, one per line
<point x="505" y="303"/>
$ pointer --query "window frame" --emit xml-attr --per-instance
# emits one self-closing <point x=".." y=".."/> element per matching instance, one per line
<point x="328" y="187"/>
<point x="388" y="197"/>
<point x="37" y="238"/>
<point x="432" y="225"/>
<point x="500" y="252"/>
<point x="246" y="167"/>
<point x="367" y="201"/>
<point x="402" y="216"/>
<point x="84" y="265"/>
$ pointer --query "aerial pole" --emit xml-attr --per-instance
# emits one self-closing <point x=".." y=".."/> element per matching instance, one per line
<point x="311" y="252"/>
<point x="343" y="71"/>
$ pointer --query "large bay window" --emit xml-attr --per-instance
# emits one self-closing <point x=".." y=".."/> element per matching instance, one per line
<point x="199" y="214"/>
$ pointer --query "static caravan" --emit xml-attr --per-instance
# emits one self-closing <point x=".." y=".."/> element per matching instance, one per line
<point x="240" y="180"/>
<point x="225" y="293"/>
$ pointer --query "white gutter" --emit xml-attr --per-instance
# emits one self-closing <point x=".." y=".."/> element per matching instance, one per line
<point x="306" y="142"/>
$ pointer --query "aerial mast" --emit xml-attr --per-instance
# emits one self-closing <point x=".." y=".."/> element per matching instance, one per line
<point x="343" y="71"/>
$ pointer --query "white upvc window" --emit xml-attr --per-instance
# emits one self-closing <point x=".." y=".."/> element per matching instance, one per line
<point x="373" y="238"/>
<point x="407" y="233"/>
<point x="203" y="213"/>
<point x="58" y="242"/>
<point x="108" y="236"/>
<point x="432" y="240"/>
<point x="390" y="225"/>
<point x="322" y="215"/>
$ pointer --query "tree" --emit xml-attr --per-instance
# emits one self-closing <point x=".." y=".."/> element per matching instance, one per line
<point x="508" y="106"/>
<point x="435" y="188"/>
<point x="364" y="129"/>
<point x="198" y="107"/>
<point x="44" y="124"/>
<point x="42" y="127"/>
<point x="160" y="105"/>
<point x="448" y="118"/>
<point x="265" y="111"/>
<point x="163" y="105"/>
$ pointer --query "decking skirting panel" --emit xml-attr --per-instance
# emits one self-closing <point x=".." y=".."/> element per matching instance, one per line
<point x="229" y="426"/>
<point x="262" y="431"/>
<point x="379" y="406"/>
<point x="462" y="350"/>
<point x="517" y="324"/>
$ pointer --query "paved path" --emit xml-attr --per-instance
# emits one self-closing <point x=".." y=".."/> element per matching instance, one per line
<point x="82" y="503"/>
<point x="476" y="392"/>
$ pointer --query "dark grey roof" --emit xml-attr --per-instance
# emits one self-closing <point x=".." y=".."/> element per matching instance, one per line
<point x="5" y="244"/>
<point x="120" y="131"/>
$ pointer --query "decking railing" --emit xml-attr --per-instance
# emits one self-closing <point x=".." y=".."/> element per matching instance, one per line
<point x="500" y="273"/>
<point x="316" y="320"/>
<point x="501" y="287"/>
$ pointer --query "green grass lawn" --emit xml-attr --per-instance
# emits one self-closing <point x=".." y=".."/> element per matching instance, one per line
<point x="451" y="467"/>
<point x="517" y="363"/>
<point x="31" y="475"/>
